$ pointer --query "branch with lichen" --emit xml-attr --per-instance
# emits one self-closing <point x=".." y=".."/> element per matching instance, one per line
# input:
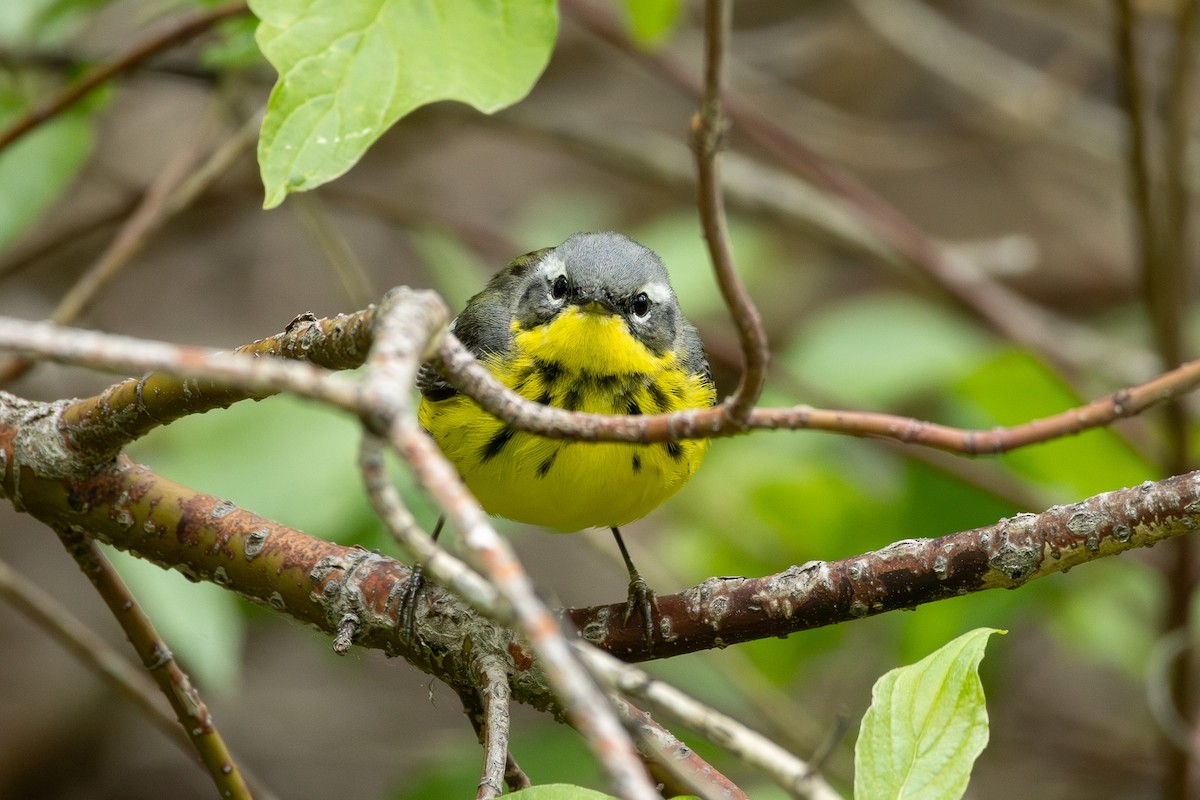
<point x="325" y="585"/>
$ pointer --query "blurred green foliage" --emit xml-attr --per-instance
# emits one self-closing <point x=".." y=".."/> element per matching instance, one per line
<point x="844" y="334"/>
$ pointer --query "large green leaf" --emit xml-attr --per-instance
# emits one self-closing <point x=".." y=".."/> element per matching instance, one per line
<point x="348" y="69"/>
<point x="926" y="726"/>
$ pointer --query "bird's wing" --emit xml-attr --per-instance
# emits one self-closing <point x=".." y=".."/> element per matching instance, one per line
<point x="485" y="325"/>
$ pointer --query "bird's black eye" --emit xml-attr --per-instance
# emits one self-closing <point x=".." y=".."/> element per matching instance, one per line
<point x="641" y="304"/>
<point x="558" y="289"/>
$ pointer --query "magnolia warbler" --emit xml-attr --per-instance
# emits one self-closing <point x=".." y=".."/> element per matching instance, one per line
<point x="592" y="325"/>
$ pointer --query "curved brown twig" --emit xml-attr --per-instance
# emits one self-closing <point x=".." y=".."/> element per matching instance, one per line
<point x="216" y="377"/>
<point x="707" y="137"/>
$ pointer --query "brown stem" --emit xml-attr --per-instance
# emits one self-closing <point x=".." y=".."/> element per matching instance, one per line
<point x="708" y="131"/>
<point x="158" y="660"/>
<point x="180" y="32"/>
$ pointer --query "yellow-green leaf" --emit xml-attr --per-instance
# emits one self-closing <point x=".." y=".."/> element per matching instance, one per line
<point x="926" y="726"/>
<point x="349" y="69"/>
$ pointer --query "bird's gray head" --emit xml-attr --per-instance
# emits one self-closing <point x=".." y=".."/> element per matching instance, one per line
<point x="605" y="273"/>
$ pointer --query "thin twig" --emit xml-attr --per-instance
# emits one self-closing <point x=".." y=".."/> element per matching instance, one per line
<point x="256" y="375"/>
<point x="456" y="362"/>
<point x="493" y="681"/>
<point x="407" y="327"/>
<point x="175" y="188"/>
<point x="147" y="48"/>
<point x="158" y="660"/>
<point x="93" y="651"/>
<point x="708" y="130"/>
<point x="673" y="763"/>
<point x="789" y="772"/>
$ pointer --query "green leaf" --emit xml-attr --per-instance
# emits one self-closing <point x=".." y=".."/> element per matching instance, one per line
<point x="650" y="21"/>
<point x="560" y="791"/>
<point x="926" y="726"/>
<point x="348" y="69"/>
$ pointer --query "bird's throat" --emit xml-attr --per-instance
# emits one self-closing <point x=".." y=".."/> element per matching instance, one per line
<point x="581" y="341"/>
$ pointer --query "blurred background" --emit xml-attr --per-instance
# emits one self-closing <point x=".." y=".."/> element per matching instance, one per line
<point x="994" y="128"/>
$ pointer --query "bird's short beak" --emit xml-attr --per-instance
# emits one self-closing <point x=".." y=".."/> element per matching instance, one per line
<point x="594" y="301"/>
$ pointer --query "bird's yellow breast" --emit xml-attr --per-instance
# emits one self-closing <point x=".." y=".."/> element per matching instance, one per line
<point x="581" y="361"/>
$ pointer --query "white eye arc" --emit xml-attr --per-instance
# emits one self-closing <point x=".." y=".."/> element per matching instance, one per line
<point x="656" y="292"/>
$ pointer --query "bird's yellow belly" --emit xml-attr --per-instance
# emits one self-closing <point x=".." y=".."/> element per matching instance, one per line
<point x="567" y="485"/>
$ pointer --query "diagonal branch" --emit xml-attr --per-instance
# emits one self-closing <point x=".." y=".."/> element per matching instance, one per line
<point x="903" y="575"/>
<point x="408" y="327"/>
<point x="151" y="46"/>
<point x="790" y="773"/>
<point x="190" y="709"/>
<point x="131" y="408"/>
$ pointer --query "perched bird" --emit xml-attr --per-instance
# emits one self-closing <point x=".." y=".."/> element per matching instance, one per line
<point x="591" y="325"/>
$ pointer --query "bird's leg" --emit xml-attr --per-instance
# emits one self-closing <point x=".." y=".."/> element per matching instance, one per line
<point x="641" y="596"/>
<point x="408" y="603"/>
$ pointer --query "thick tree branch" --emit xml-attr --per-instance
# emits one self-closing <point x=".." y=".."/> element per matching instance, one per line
<point x="906" y="574"/>
<point x="319" y="583"/>
<point x="102" y="425"/>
